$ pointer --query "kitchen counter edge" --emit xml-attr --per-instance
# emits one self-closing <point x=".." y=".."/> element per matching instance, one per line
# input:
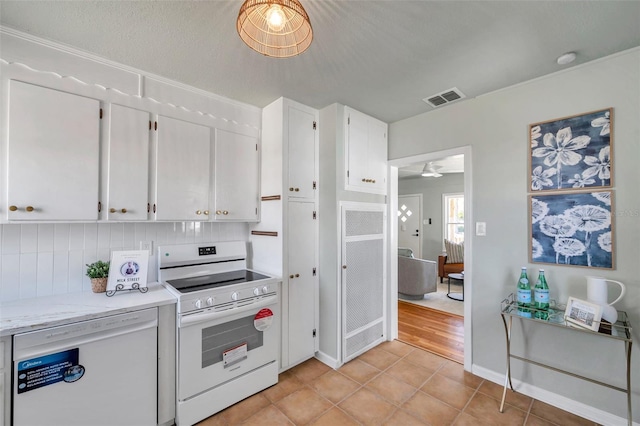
<point x="23" y="315"/>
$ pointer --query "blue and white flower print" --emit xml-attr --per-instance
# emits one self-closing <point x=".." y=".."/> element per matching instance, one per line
<point x="574" y="153"/>
<point x="572" y="229"/>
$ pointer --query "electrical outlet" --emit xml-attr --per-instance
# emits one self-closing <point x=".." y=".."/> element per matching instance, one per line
<point x="481" y="229"/>
<point x="147" y="245"/>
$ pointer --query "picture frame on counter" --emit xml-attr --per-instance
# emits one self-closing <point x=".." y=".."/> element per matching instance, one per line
<point x="583" y="314"/>
<point x="128" y="270"/>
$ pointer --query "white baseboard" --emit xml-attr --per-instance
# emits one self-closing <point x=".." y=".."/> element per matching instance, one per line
<point x="326" y="359"/>
<point x="559" y="401"/>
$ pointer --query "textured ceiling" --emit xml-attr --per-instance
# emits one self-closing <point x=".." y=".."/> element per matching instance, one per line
<point x="380" y="57"/>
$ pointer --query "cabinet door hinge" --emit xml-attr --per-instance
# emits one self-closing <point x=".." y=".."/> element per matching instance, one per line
<point x="149" y="124"/>
<point x="315" y="125"/>
<point x="100" y="113"/>
<point x="99" y="206"/>
<point x="154" y="207"/>
<point x="314" y="332"/>
<point x="155" y="126"/>
<point x="256" y="211"/>
<point x="314" y="215"/>
<point x="314" y="272"/>
<point x="349" y="120"/>
<point x="314" y="184"/>
<point x="148" y="205"/>
<point x="256" y="147"/>
<point x="347" y="173"/>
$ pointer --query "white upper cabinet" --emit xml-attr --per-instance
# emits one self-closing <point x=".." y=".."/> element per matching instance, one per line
<point x="53" y="154"/>
<point x="302" y="161"/>
<point x="365" y="153"/>
<point x="182" y="174"/>
<point x="236" y="177"/>
<point x="128" y="164"/>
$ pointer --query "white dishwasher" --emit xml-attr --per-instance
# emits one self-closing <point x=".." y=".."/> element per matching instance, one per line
<point x="96" y="372"/>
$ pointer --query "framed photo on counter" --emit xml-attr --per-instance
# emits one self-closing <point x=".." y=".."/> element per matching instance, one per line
<point x="583" y="313"/>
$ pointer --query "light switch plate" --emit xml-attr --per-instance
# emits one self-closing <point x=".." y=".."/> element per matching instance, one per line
<point x="481" y="229"/>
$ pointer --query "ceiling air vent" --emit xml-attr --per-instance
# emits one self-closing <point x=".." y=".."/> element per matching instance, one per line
<point x="445" y="97"/>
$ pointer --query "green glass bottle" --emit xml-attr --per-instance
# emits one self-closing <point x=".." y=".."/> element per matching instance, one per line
<point x="524" y="294"/>
<point x="541" y="297"/>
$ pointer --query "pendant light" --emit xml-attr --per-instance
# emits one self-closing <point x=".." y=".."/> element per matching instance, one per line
<point x="275" y="28"/>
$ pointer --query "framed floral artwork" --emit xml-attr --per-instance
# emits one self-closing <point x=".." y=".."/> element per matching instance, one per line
<point x="572" y="152"/>
<point x="572" y="228"/>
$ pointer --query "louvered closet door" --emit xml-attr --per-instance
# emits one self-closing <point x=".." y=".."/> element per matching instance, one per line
<point x="363" y="277"/>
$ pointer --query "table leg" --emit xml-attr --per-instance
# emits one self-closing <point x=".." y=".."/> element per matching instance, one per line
<point x="629" y="417"/>
<point x="507" y="378"/>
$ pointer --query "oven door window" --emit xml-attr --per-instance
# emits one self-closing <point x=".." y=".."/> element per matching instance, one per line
<point x="220" y="338"/>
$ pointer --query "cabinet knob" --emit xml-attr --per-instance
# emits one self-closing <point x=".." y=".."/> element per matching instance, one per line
<point x="364" y="180"/>
<point x="218" y="211"/>
<point x="13" y="208"/>
<point x="224" y="212"/>
<point x="206" y="212"/>
<point x="112" y="210"/>
<point x="297" y="189"/>
<point x="290" y="189"/>
<point x="297" y="275"/>
<point x="291" y="277"/>
<point x="373" y="181"/>
<point x="123" y="210"/>
<point x="344" y="266"/>
<point x="29" y="209"/>
<point x="198" y="212"/>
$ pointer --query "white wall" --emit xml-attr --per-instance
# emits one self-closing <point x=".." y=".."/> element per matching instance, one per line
<point x="432" y="190"/>
<point x="46" y="259"/>
<point x="496" y="126"/>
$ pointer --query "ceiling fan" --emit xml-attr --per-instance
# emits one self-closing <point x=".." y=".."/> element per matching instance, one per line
<point x="430" y="170"/>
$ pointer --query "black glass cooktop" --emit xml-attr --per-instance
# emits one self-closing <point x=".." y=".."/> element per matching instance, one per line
<point x="188" y="285"/>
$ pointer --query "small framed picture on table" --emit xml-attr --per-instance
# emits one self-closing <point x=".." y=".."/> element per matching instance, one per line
<point x="583" y="314"/>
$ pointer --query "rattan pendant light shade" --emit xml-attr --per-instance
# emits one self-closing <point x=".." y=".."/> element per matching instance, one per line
<point x="276" y="28"/>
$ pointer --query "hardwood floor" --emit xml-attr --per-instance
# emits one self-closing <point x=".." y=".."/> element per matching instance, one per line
<point x="435" y="331"/>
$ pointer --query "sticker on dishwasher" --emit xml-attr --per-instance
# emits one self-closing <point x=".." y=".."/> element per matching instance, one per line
<point x="234" y="355"/>
<point x="46" y="370"/>
<point x="263" y="319"/>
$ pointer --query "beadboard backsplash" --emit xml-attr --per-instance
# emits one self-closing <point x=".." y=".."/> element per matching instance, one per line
<point x="46" y="259"/>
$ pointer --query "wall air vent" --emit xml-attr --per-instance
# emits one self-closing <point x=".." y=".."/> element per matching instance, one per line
<point x="444" y="98"/>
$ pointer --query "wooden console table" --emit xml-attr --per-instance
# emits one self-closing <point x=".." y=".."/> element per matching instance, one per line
<point x="620" y="331"/>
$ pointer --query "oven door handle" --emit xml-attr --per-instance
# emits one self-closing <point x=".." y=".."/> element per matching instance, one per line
<point x="191" y="319"/>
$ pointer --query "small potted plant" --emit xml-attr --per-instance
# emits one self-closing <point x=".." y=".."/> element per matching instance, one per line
<point x="99" y="274"/>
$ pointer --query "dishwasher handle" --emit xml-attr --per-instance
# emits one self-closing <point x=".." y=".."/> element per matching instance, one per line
<point x="30" y="344"/>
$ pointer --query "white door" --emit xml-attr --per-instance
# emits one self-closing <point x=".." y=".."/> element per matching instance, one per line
<point x="53" y="154"/>
<point x="302" y="281"/>
<point x="302" y="153"/>
<point x="409" y="220"/>
<point x="128" y="179"/>
<point x="183" y="170"/>
<point x="236" y="176"/>
<point x="363" y="254"/>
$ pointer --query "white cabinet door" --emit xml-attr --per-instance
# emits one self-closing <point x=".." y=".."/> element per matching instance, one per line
<point x="236" y="176"/>
<point x="303" y="284"/>
<point x="302" y="154"/>
<point x="182" y="176"/>
<point x="365" y="153"/>
<point x="128" y="169"/>
<point x="53" y="154"/>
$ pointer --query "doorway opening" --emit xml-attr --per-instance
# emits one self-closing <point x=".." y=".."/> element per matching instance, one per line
<point x="418" y="227"/>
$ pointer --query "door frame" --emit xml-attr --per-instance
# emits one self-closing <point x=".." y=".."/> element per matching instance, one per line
<point x="392" y="252"/>
<point x="421" y="205"/>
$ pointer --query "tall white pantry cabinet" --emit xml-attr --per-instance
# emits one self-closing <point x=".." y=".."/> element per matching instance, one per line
<point x="285" y="242"/>
<point x="353" y="233"/>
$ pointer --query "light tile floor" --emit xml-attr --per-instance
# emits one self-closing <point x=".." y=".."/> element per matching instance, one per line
<point x="392" y="384"/>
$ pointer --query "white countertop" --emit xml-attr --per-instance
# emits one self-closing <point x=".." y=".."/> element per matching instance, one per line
<point x="32" y="314"/>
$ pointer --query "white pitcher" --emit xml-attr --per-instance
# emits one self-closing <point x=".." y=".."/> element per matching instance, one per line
<point x="597" y="292"/>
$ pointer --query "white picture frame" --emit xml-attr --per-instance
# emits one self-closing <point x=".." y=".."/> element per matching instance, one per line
<point x="128" y="270"/>
<point x="583" y="314"/>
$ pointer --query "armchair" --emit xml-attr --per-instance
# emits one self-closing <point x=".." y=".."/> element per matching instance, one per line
<point x="416" y="277"/>
<point x="444" y="268"/>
